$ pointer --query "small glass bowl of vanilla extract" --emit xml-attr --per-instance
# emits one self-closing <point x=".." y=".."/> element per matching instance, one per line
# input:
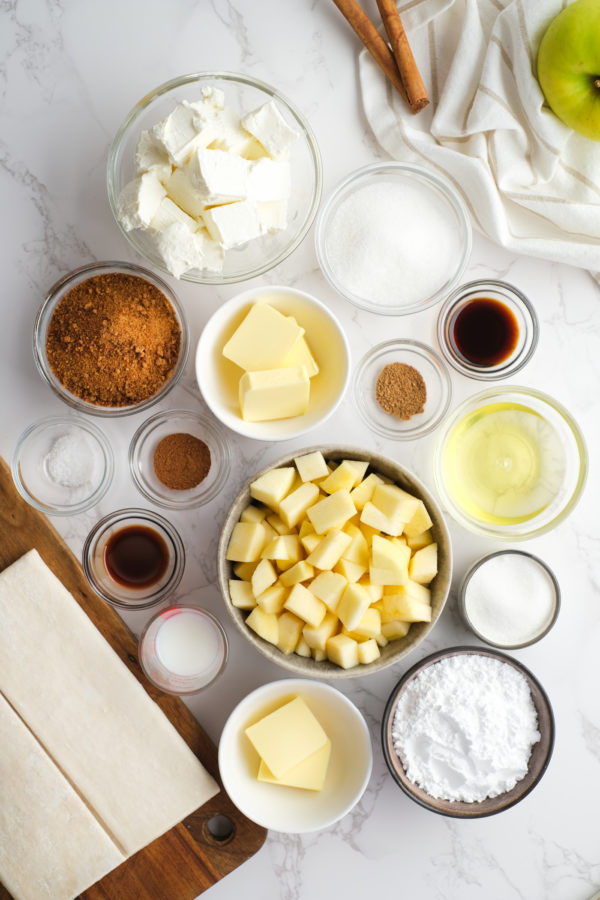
<point x="133" y="558"/>
<point x="488" y="330"/>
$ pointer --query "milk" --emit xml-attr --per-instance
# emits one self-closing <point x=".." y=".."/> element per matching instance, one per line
<point x="188" y="644"/>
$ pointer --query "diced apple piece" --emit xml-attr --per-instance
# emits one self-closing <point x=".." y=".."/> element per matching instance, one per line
<point x="386" y="555"/>
<point x="331" y="512"/>
<point x="363" y="493"/>
<point x="350" y="570"/>
<point x="285" y="547"/>
<point x="311" y="466"/>
<point x="305" y="605"/>
<point x="302" y="648"/>
<point x="358" y="549"/>
<point x="310" y="541"/>
<point x="277" y="524"/>
<point x="394" y="630"/>
<point x="375" y="590"/>
<point x="272" y="487"/>
<point x="342" y="651"/>
<point x="254" y="513"/>
<point x="293" y="507"/>
<point x="266" y="625"/>
<point x="272" y="600"/>
<point x="305" y="528"/>
<point x="368" y="652"/>
<point x="263" y="577"/>
<point x="381" y="639"/>
<point x="245" y="570"/>
<point x="420" y="521"/>
<point x="373" y="516"/>
<point x="246" y="542"/>
<point x="353" y="604"/>
<point x="317" y="636"/>
<point x="290" y="631"/>
<point x="300" y="571"/>
<point x="241" y="594"/>
<point x="360" y="466"/>
<point x="418" y="541"/>
<point x="423" y="565"/>
<point x="329" y="550"/>
<point x="368" y="532"/>
<point x="328" y="587"/>
<point x="395" y="503"/>
<point x="412" y="589"/>
<point x="345" y="477"/>
<point x="369" y="625"/>
<point x="406" y="608"/>
<point x="318" y="655"/>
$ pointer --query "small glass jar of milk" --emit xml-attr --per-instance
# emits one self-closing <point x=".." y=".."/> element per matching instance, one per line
<point x="183" y="649"/>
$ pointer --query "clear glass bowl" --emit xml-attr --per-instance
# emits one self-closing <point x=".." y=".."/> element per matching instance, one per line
<point x="178" y="421"/>
<point x="44" y="317"/>
<point x="435" y="376"/>
<point x="62" y="465"/>
<point x="402" y="294"/>
<point x="529" y="467"/>
<point x="515" y="302"/>
<point x="242" y="94"/>
<point x="125" y="595"/>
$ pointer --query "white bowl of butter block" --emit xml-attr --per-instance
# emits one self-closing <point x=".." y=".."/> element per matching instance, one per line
<point x="277" y="805"/>
<point x="272" y="383"/>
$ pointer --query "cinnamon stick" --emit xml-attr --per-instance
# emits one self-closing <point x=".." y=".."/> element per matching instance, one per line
<point x="375" y="44"/>
<point x="416" y="92"/>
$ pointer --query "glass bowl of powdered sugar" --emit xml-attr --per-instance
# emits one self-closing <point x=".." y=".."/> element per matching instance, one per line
<point x="394" y="238"/>
<point x="62" y="465"/>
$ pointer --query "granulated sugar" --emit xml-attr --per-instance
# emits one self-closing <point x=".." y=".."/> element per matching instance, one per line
<point x="464" y="728"/>
<point x="393" y="243"/>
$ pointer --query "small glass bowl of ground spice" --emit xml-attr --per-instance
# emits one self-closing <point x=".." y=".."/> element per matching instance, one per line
<point x="111" y="339"/>
<point x="179" y="459"/>
<point x="402" y="389"/>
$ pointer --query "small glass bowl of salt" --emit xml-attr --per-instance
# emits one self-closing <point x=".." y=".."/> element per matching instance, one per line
<point x="510" y="599"/>
<point x="62" y="465"/>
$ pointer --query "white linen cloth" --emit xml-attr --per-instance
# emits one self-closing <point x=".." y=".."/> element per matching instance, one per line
<point x="530" y="183"/>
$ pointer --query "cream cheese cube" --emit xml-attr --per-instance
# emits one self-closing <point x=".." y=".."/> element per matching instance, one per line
<point x="182" y="249"/>
<point x="268" y="180"/>
<point x="168" y="213"/>
<point x="180" y="191"/>
<point x="186" y="127"/>
<point x="272" y="216"/>
<point x="270" y="128"/>
<point x="274" y="394"/>
<point x="139" y="201"/>
<point x="233" y="224"/>
<point x="218" y="176"/>
<point x="149" y="152"/>
<point x="263" y="340"/>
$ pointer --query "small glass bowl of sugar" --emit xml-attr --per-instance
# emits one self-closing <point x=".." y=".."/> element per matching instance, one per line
<point x="62" y="465"/>
<point x="510" y="599"/>
<point x="394" y="238"/>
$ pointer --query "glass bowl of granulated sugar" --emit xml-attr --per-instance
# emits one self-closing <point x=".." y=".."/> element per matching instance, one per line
<point x="394" y="238"/>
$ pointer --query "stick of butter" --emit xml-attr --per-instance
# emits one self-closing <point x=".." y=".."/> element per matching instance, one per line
<point x="264" y="339"/>
<point x="308" y="774"/>
<point x="274" y="394"/>
<point x="287" y="736"/>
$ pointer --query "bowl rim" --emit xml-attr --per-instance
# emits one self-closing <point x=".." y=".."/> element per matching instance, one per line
<point x="68" y="419"/>
<point x="508" y="367"/>
<point x="460" y="650"/>
<point x="288" y="685"/>
<point x="233" y="77"/>
<point x="471" y="402"/>
<point x="443" y="184"/>
<point x="327" y="670"/>
<point x="44" y="315"/>
<point x="423" y="350"/>
<point x="228" y="309"/>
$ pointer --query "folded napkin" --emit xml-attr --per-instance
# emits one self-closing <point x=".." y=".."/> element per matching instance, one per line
<point x="530" y="183"/>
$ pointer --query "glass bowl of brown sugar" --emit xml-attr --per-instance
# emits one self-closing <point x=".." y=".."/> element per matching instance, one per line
<point x="402" y="389"/>
<point x="179" y="459"/>
<point x="111" y="339"/>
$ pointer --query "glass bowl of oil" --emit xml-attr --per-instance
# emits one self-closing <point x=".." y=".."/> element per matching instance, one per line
<point x="510" y="463"/>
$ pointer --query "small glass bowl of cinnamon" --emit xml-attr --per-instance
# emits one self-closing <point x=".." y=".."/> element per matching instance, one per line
<point x="402" y="389"/>
<point x="179" y="459"/>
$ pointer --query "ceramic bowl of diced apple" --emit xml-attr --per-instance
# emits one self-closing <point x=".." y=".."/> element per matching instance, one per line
<point x="214" y="177"/>
<point x="334" y="562"/>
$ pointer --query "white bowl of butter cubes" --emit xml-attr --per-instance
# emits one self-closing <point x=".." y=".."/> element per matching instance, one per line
<point x="334" y="562"/>
<point x="214" y="177"/>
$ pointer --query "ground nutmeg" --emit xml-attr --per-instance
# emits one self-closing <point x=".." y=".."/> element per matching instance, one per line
<point x="400" y="390"/>
<point x="113" y="340"/>
<point x="181" y="461"/>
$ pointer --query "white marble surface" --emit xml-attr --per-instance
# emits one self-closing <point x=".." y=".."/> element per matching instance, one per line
<point x="70" y="71"/>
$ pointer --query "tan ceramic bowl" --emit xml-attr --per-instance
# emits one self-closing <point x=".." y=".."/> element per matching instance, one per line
<point x="395" y="650"/>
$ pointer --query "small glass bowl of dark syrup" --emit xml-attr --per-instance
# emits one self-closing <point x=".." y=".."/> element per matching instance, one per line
<point x="487" y="330"/>
<point x="133" y="558"/>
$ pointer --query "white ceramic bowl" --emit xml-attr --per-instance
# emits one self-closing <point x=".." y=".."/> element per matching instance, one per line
<point x="218" y="377"/>
<point x="294" y="810"/>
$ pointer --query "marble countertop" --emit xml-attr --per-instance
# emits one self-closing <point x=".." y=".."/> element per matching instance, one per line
<point x="69" y="73"/>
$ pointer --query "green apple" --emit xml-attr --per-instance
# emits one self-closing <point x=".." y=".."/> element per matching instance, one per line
<point x="568" y="67"/>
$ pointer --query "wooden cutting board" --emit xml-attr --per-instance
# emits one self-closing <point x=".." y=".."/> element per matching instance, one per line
<point x="188" y="859"/>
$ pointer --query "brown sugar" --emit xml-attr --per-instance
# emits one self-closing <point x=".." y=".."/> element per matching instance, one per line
<point x="401" y="391"/>
<point x="181" y="461"/>
<point x="113" y="340"/>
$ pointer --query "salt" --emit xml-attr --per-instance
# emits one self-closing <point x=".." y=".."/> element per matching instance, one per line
<point x="510" y="598"/>
<point x="393" y="243"/>
<point x="70" y="462"/>
<point x="464" y="728"/>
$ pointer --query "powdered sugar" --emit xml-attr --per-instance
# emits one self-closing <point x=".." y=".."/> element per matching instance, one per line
<point x="464" y="728"/>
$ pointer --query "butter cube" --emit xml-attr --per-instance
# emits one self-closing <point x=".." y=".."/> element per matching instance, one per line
<point x="305" y="605"/>
<point x="263" y="340"/>
<point x="363" y="493"/>
<point x="423" y="565"/>
<point x="287" y="736"/>
<point x="328" y="587"/>
<point x="311" y="466"/>
<point x="419" y="521"/>
<point x="331" y="512"/>
<point x="329" y="550"/>
<point x="274" y="394"/>
<point x="293" y="507"/>
<point x="300" y="355"/>
<point x="241" y="594"/>
<point x="290" y="631"/>
<point x="300" y="571"/>
<point x="353" y="604"/>
<point x="246" y="542"/>
<point x="263" y="577"/>
<point x="309" y="774"/>
<point x="343" y="651"/>
<point x="368" y="651"/>
<point x="316" y="636"/>
<point x="272" y="599"/>
<point x="266" y="625"/>
<point x="272" y="487"/>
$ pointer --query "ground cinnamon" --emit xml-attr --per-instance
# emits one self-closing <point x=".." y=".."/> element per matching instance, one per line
<point x="113" y="340"/>
<point x="181" y="461"/>
<point x="401" y="391"/>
